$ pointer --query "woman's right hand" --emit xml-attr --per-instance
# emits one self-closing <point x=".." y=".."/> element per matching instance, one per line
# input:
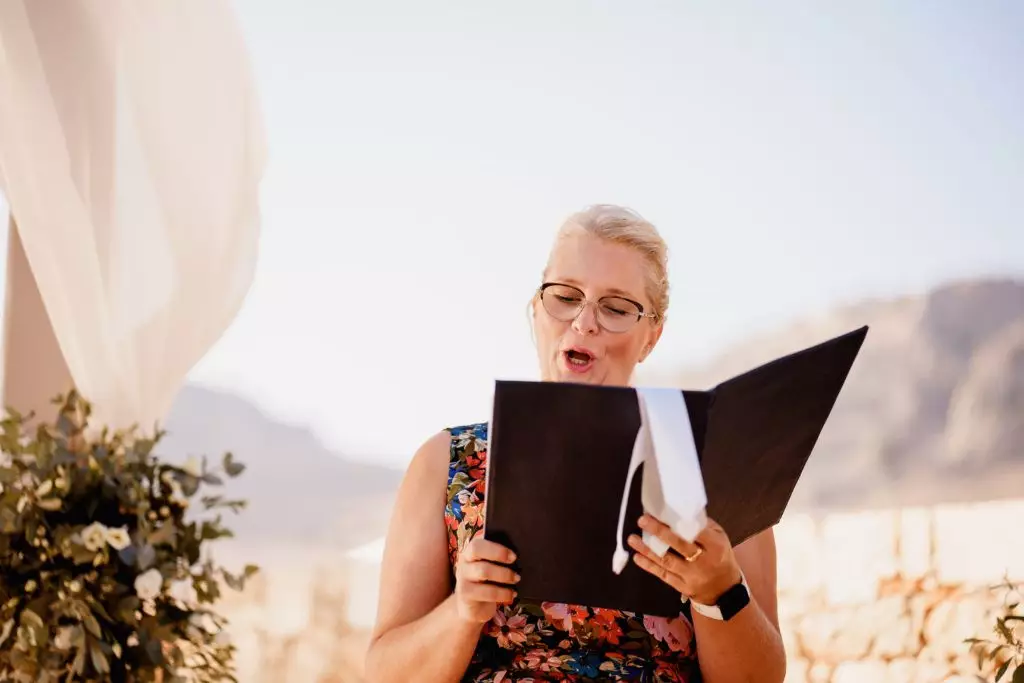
<point x="481" y="565"/>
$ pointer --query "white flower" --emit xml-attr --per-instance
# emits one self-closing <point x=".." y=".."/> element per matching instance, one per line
<point x="204" y="621"/>
<point x="118" y="538"/>
<point x="183" y="591"/>
<point x="147" y="586"/>
<point x="63" y="639"/>
<point x="192" y="466"/>
<point x="94" y="536"/>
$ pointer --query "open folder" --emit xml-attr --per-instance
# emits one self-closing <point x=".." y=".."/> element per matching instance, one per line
<point x="560" y="456"/>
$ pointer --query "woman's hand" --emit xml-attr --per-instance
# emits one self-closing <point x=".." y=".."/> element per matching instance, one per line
<point x="482" y="580"/>
<point x="711" y="569"/>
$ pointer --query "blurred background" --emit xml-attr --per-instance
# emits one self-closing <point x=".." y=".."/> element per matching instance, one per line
<point x="812" y="169"/>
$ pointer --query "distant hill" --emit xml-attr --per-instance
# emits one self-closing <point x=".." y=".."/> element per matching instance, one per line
<point x="933" y="410"/>
<point x="299" y="490"/>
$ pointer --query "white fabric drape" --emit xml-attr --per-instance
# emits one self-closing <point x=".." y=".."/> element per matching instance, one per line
<point x="131" y="151"/>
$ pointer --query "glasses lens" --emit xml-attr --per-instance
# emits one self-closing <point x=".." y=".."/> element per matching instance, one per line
<point x="617" y="315"/>
<point x="562" y="302"/>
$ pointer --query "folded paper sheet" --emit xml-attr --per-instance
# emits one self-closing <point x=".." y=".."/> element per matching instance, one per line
<point x="665" y="447"/>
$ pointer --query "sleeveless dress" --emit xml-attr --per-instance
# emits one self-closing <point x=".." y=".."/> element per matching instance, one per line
<point x="549" y="641"/>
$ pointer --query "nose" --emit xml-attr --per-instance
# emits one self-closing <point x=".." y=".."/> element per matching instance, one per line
<point x="585" y="321"/>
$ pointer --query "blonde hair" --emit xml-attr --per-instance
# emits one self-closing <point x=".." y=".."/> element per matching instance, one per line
<point x="624" y="226"/>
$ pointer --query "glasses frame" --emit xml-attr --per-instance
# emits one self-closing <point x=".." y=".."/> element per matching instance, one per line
<point x="584" y="301"/>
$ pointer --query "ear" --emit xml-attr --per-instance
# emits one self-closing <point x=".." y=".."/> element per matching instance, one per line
<point x="652" y="340"/>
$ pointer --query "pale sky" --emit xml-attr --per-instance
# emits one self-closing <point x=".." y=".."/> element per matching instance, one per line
<point x="794" y="155"/>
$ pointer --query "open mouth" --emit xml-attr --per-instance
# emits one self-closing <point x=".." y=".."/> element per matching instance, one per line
<point x="578" y="360"/>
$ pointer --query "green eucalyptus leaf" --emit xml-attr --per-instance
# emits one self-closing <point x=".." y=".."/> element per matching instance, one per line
<point x="146" y="557"/>
<point x="78" y="666"/>
<point x="5" y="633"/>
<point x="99" y="660"/>
<point x="231" y="467"/>
<point x="31" y="619"/>
<point x="126" y="607"/>
<point x="92" y="625"/>
<point x="128" y="555"/>
<point x="189" y="484"/>
<point x="212" y="479"/>
<point x="78" y="476"/>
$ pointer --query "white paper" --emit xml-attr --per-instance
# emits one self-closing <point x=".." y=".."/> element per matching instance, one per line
<point x="665" y="445"/>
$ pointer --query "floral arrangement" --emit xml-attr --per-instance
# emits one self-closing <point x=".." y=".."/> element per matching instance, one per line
<point x="1005" y="654"/>
<point x="103" y="576"/>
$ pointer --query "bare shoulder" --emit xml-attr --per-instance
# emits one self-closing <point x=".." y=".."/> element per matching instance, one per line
<point x="431" y="457"/>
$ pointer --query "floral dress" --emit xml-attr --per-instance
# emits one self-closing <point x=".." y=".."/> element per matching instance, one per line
<point x="550" y="641"/>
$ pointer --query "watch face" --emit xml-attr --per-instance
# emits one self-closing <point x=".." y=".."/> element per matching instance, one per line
<point x="733" y="600"/>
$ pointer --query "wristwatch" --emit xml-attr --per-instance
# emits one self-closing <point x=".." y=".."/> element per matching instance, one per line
<point x="729" y="603"/>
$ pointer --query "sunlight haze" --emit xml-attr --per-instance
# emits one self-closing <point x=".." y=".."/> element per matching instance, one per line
<point x="422" y="156"/>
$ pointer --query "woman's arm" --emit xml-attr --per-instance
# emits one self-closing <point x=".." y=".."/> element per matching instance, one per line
<point x="748" y="647"/>
<point x="425" y="632"/>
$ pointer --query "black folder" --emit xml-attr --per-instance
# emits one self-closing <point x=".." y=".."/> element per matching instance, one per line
<point x="559" y="455"/>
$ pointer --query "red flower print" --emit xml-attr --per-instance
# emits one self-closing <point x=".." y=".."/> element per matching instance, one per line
<point x="509" y="632"/>
<point x="606" y="625"/>
<point x="676" y="633"/>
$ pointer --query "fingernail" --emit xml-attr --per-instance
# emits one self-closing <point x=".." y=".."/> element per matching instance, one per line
<point x="511" y="556"/>
<point x="643" y="521"/>
<point x="517" y="578"/>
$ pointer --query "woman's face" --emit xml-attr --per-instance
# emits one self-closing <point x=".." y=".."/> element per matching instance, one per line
<point x="581" y="349"/>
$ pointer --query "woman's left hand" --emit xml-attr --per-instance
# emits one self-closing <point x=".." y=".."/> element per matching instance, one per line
<point x="711" y="570"/>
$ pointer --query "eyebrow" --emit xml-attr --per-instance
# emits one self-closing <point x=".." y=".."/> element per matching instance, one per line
<point x="614" y="291"/>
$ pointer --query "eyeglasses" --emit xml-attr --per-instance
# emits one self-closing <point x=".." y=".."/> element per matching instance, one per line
<point x="615" y="314"/>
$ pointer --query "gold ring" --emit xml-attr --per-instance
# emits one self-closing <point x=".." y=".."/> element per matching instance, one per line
<point x="698" y="553"/>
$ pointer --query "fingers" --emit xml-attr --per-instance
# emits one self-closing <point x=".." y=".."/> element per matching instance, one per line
<point x="661" y="530"/>
<point x="651" y="565"/>
<point x="483" y="579"/>
<point x="482" y="549"/>
<point x="483" y="571"/>
<point x="671" y="562"/>
<point x="486" y="592"/>
<point x="712" y="533"/>
<point x="710" y="571"/>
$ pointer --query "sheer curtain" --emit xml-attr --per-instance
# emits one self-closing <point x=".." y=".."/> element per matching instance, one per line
<point x="131" y="151"/>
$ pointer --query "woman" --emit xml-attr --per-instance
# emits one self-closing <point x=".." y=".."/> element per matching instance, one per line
<point x="448" y="609"/>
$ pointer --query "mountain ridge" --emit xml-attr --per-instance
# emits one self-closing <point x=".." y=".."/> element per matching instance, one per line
<point x="932" y="412"/>
<point x="924" y="392"/>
